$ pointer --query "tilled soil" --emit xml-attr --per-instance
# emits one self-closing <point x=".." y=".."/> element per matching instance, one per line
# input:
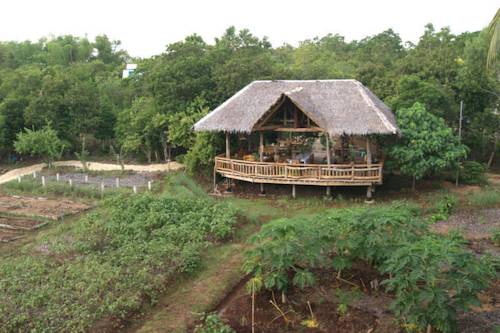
<point x="8" y="235"/>
<point x="43" y="207"/>
<point x="15" y="223"/>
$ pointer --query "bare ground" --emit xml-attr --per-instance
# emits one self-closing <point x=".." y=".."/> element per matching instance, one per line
<point x="95" y="166"/>
<point x="42" y="207"/>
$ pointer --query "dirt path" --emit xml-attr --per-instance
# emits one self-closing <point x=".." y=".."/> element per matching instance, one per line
<point x="94" y="166"/>
<point x="186" y="299"/>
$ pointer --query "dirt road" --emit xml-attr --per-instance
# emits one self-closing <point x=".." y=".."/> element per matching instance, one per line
<point x="95" y="166"/>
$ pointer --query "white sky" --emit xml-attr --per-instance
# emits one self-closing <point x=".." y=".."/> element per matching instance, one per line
<point x="145" y="27"/>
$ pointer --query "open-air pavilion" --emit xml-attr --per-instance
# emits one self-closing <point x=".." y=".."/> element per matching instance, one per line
<point x="302" y="133"/>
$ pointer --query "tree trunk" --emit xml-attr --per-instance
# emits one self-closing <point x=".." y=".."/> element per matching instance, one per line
<point x="414" y="183"/>
<point x="492" y="155"/>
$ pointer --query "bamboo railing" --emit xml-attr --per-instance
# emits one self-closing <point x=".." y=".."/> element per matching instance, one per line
<point x="315" y="174"/>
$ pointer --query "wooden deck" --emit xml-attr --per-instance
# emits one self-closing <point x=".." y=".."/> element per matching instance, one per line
<point x="300" y="174"/>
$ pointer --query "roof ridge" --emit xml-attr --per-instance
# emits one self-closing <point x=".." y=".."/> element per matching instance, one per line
<point x="323" y="80"/>
<point x="377" y="110"/>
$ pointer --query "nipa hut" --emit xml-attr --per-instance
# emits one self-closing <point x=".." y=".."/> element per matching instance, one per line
<point x="302" y="133"/>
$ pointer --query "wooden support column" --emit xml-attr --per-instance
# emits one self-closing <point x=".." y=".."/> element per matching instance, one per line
<point x="370" y="189"/>
<point x="261" y="156"/>
<point x="228" y="148"/>
<point x="368" y="151"/>
<point x="261" y="146"/>
<point x="328" y="160"/>
<point x="293" y="191"/>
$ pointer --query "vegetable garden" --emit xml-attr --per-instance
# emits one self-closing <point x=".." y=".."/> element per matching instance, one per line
<point x="109" y="264"/>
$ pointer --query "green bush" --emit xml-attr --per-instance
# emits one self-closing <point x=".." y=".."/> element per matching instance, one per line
<point x="473" y="173"/>
<point x="495" y="237"/>
<point x="432" y="277"/>
<point x="109" y="263"/>
<point x="442" y="206"/>
<point x="211" y="323"/>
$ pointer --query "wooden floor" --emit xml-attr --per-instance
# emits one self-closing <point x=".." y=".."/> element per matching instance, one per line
<point x="300" y="174"/>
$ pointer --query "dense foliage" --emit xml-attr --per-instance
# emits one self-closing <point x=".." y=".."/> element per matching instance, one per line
<point x="432" y="277"/>
<point x="109" y="263"/>
<point x="427" y="144"/>
<point x="43" y="143"/>
<point x="75" y="84"/>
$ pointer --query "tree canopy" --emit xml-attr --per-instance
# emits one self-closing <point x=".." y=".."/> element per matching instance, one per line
<point x="75" y="84"/>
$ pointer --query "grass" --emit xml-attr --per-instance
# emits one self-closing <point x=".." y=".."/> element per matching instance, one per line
<point x="488" y="197"/>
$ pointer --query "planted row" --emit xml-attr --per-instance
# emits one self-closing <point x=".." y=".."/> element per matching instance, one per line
<point x="431" y="277"/>
<point x="109" y="263"/>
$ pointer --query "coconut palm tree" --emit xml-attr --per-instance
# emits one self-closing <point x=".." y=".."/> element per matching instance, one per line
<point x="494" y="32"/>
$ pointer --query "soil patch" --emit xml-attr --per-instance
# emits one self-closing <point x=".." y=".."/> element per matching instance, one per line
<point x="8" y="235"/>
<point x="43" y="207"/>
<point x="366" y="311"/>
<point x="15" y="223"/>
<point x="473" y="224"/>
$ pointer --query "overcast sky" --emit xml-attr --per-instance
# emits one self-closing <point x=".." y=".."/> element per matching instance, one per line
<point x="146" y="26"/>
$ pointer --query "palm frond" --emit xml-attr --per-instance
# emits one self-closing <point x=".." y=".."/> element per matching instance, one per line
<point x="494" y="32"/>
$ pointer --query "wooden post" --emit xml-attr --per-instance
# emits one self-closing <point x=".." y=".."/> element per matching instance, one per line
<point x="328" y="160"/>
<point x="215" y="179"/>
<point x="228" y="148"/>
<point x="369" y="192"/>
<point x="261" y="156"/>
<point x="368" y="151"/>
<point x="293" y="191"/>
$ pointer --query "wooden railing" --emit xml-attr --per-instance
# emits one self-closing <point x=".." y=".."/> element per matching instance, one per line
<point x="347" y="174"/>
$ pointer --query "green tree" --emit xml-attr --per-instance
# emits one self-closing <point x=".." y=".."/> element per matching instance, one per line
<point x="140" y="127"/>
<point x="180" y="129"/>
<point x="43" y="143"/>
<point x="427" y="145"/>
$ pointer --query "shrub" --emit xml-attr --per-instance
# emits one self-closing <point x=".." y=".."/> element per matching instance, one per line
<point x="109" y="263"/>
<point x="44" y="143"/>
<point x="286" y="245"/>
<point x="495" y="237"/>
<point x="211" y="323"/>
<point x="472" y="173"/>
<point x="442" y="206"/>
<point x="432" y="278"/>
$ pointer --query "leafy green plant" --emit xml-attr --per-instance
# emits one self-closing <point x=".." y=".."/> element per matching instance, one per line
<point x="442" y="206"/>
<point x="286" y="245"/>
<point x="427" y="145"/>
<point x="211" y="323"/>
<point x="434" y="277"/>
<point x="495" y="237"/>
<point x="472" y="173"/>
<point x="345" y="298"/>
<point x="43" y="143"/>
<point x="109" y="263"/>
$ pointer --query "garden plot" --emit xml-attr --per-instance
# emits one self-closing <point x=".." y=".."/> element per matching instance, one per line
<point x="12" y="228"/>
<point x="81" y="179"/>
<point x="41" y="207"/>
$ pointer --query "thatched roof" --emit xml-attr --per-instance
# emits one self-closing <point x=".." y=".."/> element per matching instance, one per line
<point x="338" y="106"/>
